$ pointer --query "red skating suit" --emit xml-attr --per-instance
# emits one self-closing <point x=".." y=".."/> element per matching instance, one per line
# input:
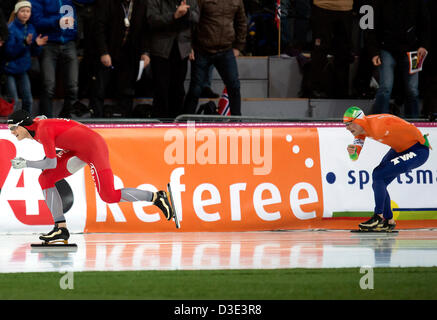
<point x="76" y="140"/>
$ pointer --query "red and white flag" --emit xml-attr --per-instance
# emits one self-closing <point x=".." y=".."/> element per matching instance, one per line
<point x="278" y="14"/>
<point x="224" y="108"/>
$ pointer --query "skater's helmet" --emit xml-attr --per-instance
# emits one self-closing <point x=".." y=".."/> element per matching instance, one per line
<point x="22" y="118"/>
<point x="353" y="113"/>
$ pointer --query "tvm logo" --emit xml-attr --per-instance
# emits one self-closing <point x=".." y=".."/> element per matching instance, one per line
<point x="404" y="157"/>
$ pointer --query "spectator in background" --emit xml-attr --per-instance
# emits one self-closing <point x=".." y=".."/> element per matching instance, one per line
<point x="287" y="8"/>
<point x="302" y="23"/>
<point x="430" y="67"/>
<point x="299" y="14"/>
<point x="171" y="24"/>
<point x="8" y="7"/>
<point x="401" y="26"/>
<point x="3" y="39"/>
<point x="218" y="40"/>
<point x="122" y="40"/>
<point x="22" y="44"/>
<point x="207" y="91"/>
<point x="86" y="46"/>
<point x="331" y="26"/>
<point x="57" y="20"/>
<point x="363" y="72"/>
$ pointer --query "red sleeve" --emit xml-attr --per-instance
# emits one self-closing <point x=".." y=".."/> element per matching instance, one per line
<point x="47" y="139"/>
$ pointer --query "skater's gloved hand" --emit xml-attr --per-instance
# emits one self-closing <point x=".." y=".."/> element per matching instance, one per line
<point x="18" y="163"/>
<point x="352" y="150"/>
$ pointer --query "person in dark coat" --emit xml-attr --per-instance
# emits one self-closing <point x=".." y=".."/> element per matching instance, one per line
<point x="171" y="24"/>
<point x="401" y="26"/>
<point x="430" y="68"/>
<point x="331" y="23"/>
<point x="121" y="35"/>
<point x="218" y="40"/>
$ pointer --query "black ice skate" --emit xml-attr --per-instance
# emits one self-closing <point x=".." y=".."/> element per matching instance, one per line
<point x="57" y="238"/>
<point x="386" y="226"/>
<point x="376" y="224"/>
<point x="57" y="235"/>
<point x="162" y="202"/>
<point x="370" y="225"/>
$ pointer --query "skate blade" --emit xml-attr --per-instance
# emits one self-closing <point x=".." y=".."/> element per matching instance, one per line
<point x="54" y="246"/>
<point x="175" y="214"/>
<point x="374" y="231"/>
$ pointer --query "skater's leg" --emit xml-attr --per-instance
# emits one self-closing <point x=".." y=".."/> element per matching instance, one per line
<point x="382" y="197"/>
<point x="132" y="194"/>
<point x="159" y="199"/>
<point x="387" y="213"/>
<point x="67" y="164"/>
<point x="54" y="203"/>
<point x="382" y="176"/>
<point x="104" y="181"/>
<point x="392" y="165"/>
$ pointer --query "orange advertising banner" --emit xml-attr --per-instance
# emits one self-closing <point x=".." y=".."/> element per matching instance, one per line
<point x="223" y="178"/>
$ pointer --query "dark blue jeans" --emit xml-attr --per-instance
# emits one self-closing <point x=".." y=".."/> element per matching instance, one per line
<point x="386" y="81"/>
<point x="66" y="54"/>
<point x="226" y="66"/>
<point x="392" y="165"/>
<point x="19" y="85"/>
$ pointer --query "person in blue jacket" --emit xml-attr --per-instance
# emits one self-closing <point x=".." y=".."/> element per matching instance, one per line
<point x="22" y="44"/>
<point x="57" y="19"/>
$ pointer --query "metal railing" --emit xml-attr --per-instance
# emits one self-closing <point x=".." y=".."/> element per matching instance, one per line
<point x="200" y="118"/>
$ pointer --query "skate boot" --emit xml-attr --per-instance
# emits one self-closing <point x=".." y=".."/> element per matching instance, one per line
<point x="56" y="235"/>
<point x="385" y="226"/>
<point x="370" y="225"/>
<point x="162" y="202"/>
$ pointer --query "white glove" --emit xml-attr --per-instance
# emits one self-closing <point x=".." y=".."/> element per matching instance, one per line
<point x="18" y="163"/>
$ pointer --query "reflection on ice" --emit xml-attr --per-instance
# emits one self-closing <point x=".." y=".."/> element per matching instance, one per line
<point x="245" y="250"/>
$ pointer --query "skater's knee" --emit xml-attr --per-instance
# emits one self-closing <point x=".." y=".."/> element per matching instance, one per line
<point x="110" y="196"/>
<point x="46" y="180"/>
<point x="377" y="174"/>
<point x="74" y="164"/>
